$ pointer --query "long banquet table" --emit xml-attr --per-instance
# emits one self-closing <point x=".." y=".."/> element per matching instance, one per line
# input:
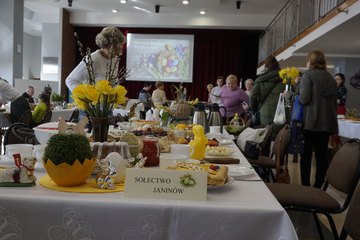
<point x="242" y="210"/>
<point x="349" y="128"/>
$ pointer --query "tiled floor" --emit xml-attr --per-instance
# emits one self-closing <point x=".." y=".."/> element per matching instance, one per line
<point x="304" y="222"/>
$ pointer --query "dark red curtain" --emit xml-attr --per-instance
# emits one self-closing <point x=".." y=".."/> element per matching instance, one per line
<point x="216" y="52"/>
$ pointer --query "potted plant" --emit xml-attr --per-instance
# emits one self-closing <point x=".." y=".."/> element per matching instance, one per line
<point x="68" y="159"/>
<point x="57" y="99"/>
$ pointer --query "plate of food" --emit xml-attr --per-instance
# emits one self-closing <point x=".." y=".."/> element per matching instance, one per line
<point x="217" y="175"/>
<point x="219" y="151"/>
<point x="229" y="181"/>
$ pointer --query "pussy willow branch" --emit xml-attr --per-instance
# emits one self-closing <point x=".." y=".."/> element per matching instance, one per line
<point x="86" y="59"/>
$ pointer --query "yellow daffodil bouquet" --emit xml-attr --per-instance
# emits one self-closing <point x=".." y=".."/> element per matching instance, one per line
<point x="98" y="98"/>
<point x="288" y="76"/>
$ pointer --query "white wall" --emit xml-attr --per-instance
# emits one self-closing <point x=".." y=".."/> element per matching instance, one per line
<point x="11" y="39"/>
<point x="31" y="56"/>
<point x="50" y="47"/>
<point x="6" y="40"/>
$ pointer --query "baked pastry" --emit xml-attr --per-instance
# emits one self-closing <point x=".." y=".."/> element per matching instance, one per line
<point x="101" y="150"/>
<point x="216" y="174"/>
<point x="133" y="141"/>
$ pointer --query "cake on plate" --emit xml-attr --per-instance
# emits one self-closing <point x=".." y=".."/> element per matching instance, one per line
<point x="216" y="174"/>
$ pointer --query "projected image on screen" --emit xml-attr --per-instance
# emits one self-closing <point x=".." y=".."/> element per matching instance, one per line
<point x="153" y="57"/>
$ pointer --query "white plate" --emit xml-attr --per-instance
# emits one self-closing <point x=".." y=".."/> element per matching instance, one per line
<point x="229" y="152"/>
<point x="225" y="142"/>
<point x="229" y="181"/>
<point x="237" y="171"/>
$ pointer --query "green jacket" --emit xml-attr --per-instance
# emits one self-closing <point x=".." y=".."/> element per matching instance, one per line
<point x="265" y="95"/>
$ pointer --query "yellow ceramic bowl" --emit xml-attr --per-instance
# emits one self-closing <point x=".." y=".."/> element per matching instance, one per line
<point x="66" y="175"/>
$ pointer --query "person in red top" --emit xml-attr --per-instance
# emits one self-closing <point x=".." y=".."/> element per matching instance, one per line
<point x="341" y="93"/>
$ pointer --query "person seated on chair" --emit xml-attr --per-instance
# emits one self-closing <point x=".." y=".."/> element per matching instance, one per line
<point x="28" y="94"/>
<point x="19" y="104"/>
<point x="41" y="109"/>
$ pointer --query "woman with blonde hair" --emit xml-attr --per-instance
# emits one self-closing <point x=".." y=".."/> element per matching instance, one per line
<point x="249" y="83"/>
<point x="234" y="99"/>
<point x="209" y="88"/>
<point x="318" y="94"/>
<point x="159" y="96"/>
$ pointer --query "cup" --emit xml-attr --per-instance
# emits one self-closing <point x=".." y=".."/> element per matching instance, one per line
<point x="170" y="159"/>
<point x="38" y="152"/>
<point x="182" y="149"/>
<point x="25" y="150"/>
<point x="214" y="129"/>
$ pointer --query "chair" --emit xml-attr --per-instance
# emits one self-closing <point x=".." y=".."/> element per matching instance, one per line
<point x="266" y="163"/>
<point x="352" y="220"/>
<point x="265" y="144"/>
<point x="75" y="116"/>
<point x="47" y="117"/>
<point x="18" y="133"/>
<point x="27" y="119"/>
<point x="343" y="175"/>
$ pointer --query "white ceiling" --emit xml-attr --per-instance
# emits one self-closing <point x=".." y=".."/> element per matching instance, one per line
<point x="342" y="41"/>
<point x="253" y="14"/>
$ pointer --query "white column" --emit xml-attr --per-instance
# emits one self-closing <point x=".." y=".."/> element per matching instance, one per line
<point x="11" y="39"/>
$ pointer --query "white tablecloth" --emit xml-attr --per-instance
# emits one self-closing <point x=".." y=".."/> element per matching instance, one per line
<point x="64" y="113"/>
<point x="243" y="210"/>
<point x="122" y="112"/>
<point x="349" y="129"/>
<point x="56" y="113"/>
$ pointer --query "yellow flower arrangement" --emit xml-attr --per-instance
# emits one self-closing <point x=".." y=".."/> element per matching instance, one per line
<point x="99" y="98"/>
<point x="288" y="75"/>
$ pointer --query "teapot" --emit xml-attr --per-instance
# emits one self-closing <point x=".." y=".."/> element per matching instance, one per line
<point x="215" y="118"/>
<point x="200" y="118"/>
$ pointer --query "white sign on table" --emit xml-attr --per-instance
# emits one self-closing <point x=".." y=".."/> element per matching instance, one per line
<point x="168" y="184"/>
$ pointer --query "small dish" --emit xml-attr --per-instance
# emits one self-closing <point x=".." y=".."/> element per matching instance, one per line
<point x="229" y="181"/>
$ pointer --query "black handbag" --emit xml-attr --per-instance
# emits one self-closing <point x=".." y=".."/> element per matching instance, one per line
<point x="255" y="119"/>
<point x="252" y="150"/>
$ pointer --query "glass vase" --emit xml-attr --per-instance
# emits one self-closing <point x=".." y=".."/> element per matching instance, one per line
<point x="100" y="127"/>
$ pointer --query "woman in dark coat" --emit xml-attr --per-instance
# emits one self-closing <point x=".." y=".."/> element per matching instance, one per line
<point x="318" y="94"/>
<point x="265" y="93"/>
<point x="341" y="93"/>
